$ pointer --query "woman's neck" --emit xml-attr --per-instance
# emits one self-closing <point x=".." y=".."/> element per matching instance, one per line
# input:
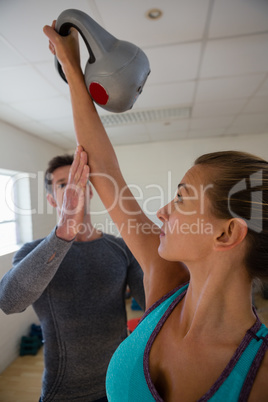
<point x="219" y="304"/>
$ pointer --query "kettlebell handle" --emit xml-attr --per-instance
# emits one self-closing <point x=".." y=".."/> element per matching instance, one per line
<point x="65" y="31"/>
<point x="89" y="30"/>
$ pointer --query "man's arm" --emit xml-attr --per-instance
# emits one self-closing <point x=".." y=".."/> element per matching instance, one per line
<point x="35" y="266"/>
<point x="32" y="271"/>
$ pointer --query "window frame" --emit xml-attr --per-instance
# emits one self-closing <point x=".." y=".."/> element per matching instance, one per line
<point x="18" y="190"/>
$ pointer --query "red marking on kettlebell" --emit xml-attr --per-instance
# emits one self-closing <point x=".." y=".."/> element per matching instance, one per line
<point x="98" y="93"/>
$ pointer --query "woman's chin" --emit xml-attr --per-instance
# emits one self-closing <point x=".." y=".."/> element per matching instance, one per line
<point x="162" y="253"/>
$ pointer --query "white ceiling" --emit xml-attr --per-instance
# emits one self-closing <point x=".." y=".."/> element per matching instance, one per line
<point x="209" y="55"/>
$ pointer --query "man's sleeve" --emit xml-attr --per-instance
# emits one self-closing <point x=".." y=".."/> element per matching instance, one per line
<point x="32" y="270"/>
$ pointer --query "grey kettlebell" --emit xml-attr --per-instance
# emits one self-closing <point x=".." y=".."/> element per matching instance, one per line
<point x="116" y="70"/>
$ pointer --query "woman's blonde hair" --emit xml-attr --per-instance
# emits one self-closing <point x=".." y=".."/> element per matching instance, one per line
<point x="240" y="189"/>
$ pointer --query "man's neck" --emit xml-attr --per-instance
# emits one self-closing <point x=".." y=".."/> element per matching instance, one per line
<point x="88" y="232"/>
<point x="89" y="236"/>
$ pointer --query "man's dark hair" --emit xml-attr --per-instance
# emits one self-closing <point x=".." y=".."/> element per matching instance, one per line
<point x="53" y="164"/>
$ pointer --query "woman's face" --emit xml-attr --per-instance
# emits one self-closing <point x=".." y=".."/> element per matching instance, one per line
<point x="188" y="225"/>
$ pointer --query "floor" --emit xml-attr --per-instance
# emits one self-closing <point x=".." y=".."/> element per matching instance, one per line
<point x="21" y="381"/>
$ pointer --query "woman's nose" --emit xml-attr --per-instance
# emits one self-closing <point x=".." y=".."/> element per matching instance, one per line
<point x="162" y="213"/>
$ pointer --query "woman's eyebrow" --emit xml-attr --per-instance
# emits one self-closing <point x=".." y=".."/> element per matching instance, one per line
<point x="184" y="185"/>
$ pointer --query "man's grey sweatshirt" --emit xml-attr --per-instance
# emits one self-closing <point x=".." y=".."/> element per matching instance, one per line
<point x="78" y="292"/>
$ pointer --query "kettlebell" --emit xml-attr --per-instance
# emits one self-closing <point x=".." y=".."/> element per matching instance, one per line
<point x="116" y="70"/>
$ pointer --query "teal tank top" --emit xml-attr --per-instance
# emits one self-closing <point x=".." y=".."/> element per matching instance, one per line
<point x="128" y="378"/>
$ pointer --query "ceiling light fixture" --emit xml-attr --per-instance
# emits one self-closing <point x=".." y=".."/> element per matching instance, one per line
<point x="154" y="14"/>
<point x="165" y="115"/>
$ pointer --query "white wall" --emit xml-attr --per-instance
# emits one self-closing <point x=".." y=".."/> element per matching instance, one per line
<point x="20" y="151"/>
<point x="156" y="169"/>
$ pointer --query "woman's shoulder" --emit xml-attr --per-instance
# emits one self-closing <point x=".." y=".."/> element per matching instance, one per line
<point x="259" y="392"/>
<point x="168" y="298"/>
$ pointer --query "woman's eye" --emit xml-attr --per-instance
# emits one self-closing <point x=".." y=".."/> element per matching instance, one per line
<point x="178" y="198"/>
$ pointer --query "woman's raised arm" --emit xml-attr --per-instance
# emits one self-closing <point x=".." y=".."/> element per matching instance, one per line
<point x="138" y="231"/>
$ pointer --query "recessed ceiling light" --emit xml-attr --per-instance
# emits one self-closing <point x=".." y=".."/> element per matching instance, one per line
<point x="154" y="13"/>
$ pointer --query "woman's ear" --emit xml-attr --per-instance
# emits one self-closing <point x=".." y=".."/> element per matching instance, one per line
<point x="233" y="233"/>
<point x="51" y="200"/>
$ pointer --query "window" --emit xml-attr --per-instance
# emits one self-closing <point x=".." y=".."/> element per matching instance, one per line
<point x="8" y="233"/>
<point x="14" y="195"/>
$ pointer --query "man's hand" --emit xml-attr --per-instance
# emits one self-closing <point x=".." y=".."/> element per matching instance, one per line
<point x="73" y="207"/>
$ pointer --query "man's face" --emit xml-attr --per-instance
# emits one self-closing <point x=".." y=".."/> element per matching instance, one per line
<point x="59" y="182"/>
